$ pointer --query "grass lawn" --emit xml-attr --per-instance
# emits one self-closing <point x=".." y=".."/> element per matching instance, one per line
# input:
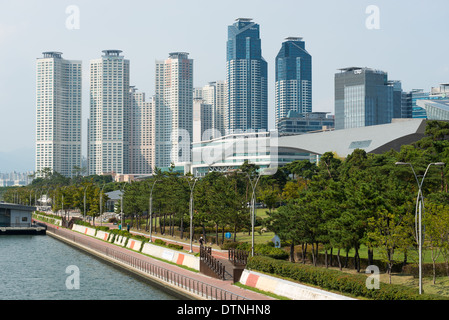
<point x="441" y="286"/>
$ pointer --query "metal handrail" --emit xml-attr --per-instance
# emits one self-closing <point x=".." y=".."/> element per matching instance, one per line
<point x="237" y="256"/>
<point x="216" y="266"/>
<point x="194" y="286"/>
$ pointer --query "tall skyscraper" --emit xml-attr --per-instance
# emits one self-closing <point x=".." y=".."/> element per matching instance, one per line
<point x="246" y="77"/>
<point x="141" y="147"/>
<point x="293" y="78"/>
<point x="363" y="97"/>
<point x="58" y="113"/>
<point x="173" y="109"/>
<point x="108" y="132"/>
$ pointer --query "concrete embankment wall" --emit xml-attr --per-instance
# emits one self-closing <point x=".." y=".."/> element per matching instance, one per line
<point x="54" y="221"/>
<point x="286" y="288"/>
<point x="174" y="256"/>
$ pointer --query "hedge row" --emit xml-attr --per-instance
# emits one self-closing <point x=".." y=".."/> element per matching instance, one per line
<point x="170" y="245"/>
<point x="264" y="249"/>
<point x="334" y="280"/>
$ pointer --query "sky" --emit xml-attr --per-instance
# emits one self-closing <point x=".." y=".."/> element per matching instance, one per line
<point x="407" y="39"/>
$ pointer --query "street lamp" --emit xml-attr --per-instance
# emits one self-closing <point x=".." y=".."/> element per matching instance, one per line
<point x="84" y="199"/>
<point x="151" y="208"/>
<point x="192" y="186"/>
<point x="101" y="204"/>
<point x="122" y="189"/>
<point x="418" y="212"/>
<point x="253" y="205"/>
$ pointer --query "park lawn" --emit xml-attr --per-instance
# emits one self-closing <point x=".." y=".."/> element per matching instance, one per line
<point x="258" y="238"/>
<point x="412" y="256"/>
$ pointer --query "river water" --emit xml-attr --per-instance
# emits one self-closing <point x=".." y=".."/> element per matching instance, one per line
<point x="39" y="267"/>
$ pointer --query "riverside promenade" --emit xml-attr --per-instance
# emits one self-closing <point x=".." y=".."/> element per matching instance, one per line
<point x="188" y="284"/>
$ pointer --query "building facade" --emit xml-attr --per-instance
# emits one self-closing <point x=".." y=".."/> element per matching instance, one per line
<point x="141" y="146"/>
<point x="203" y="120"/>
<point x="297" y="123"/>
<point x="246" y="78"/>
<point x="214" y="94"/>
<point x="437" y="109"/>
<point x="271" y="151"/>
<point x="108" y="129"/>
<point x="173" y="109"/>
<point x="58" y="113"/>
<point x="363" y="97"/>
<point x="409" y="103"/>
<point x="411" y="98"/>
<point x="293" y="78"/>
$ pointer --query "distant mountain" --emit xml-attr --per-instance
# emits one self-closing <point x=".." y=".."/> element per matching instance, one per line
<point x="19" y="160"/>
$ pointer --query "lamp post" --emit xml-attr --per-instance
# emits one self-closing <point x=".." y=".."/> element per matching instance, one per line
<point x="192" y="186"/>
<point x="101" y="204"/>
<point x="253" y="184"/>
<point x="418" y="213"/>
<point x="84" y="200"/>
<point x="62" y="202"/>
<point x="151" y="209"/>
<point x="121" y="203"/>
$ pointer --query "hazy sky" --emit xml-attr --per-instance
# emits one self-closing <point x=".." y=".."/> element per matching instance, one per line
<point x="410" y="44"/>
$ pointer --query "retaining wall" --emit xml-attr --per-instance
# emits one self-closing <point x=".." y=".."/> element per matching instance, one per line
<point x="84" y="230"/>
<point x="288" y="289"/>
<point x="173" y="256"/>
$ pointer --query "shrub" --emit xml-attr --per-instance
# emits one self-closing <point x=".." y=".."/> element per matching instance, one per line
<point x="175" y="246"/>
<point x="160" y="242"/>
<point x="335" y="280"/>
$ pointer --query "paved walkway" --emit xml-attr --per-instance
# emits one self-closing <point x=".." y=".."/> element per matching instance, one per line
<point x="226" y="285"/>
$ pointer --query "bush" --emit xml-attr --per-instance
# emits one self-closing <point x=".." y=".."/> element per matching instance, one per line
<point x="175" y="246"/>
<point x="230" y="244"/>
<point x="160" y="242"/>
<point x="336" y="281"/>
<point x="266" y="249"/>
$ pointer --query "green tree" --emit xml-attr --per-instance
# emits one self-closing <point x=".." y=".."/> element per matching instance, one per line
<point x="390" y="233"/>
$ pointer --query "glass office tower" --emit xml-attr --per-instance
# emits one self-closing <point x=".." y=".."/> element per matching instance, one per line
<point x="246" y="78"/>
<point x="293" y="78"/>
<point x="363" y="97"/>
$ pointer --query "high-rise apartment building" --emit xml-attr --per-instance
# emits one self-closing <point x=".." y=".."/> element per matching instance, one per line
<point x="203" y="120"/>
<point x="214" y="94"/>
<point x="363" y="97"/>
<point x="293" y="79"/>
<point x="109" y="125"/>
<point x="141" y="146"/>
<point x="58" y="113"/>
<point x="173" y="109"/>
<point x="246" y="78"/>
